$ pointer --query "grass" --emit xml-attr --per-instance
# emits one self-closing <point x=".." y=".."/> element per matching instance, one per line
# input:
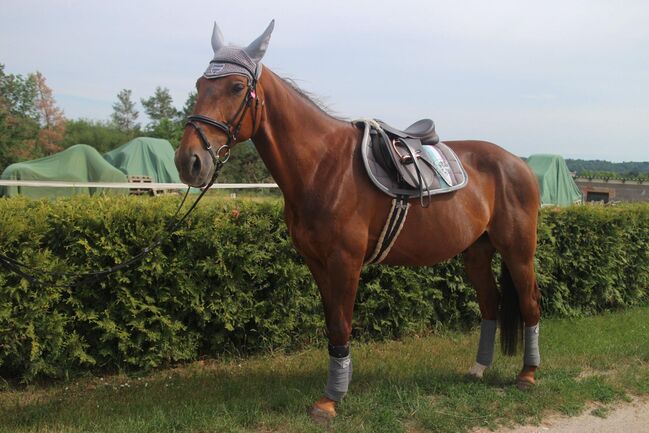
<point x="414" y="385"/>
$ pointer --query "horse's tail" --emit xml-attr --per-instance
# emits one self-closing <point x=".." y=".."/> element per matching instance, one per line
<point x="511" y="322"/>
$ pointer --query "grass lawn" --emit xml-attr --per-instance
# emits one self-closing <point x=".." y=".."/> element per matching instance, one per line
<point x="414" y="385"/>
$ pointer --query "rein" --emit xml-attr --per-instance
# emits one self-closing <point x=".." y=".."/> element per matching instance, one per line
<point x="35" y="276"/>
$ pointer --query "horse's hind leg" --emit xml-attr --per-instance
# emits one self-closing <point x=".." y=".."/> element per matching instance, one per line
<point x="477" y="262"/>
<point x="520" y="268"/>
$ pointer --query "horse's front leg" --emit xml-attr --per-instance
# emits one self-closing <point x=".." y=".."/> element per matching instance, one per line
<point x="337" y="279"/>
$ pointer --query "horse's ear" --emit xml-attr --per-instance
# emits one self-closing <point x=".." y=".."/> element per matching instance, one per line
<point x="217" y="38"/>
<point x="257" y="48"/>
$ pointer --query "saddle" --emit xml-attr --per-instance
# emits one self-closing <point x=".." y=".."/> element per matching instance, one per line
<point x="411" y="162"/>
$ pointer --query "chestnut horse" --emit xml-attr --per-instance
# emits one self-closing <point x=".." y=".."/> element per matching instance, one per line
<point x="335" y="214"/>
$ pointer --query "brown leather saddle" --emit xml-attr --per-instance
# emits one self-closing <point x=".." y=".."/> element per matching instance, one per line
<point x="410" y="162"/>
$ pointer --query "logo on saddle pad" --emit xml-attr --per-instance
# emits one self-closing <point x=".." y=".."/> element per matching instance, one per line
<point x="442" y="166"/>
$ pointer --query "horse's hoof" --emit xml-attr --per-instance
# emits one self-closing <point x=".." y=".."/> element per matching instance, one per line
<point x="323" y="410"/>
<point x="525" y="379"/>
<point x="525" y="383"/>
<point x="477" y="371"/>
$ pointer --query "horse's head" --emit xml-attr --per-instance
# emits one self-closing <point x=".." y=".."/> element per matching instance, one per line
<point x="226" y="110"/>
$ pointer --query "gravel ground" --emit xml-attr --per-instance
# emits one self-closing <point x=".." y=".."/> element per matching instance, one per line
<point x="625" y="418"/>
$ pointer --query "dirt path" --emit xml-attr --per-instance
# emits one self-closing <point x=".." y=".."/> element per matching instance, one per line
<point x="626" y="418"/>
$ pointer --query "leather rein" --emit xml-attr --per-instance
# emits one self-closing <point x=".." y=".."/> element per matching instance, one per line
<point x="229" y="128"/>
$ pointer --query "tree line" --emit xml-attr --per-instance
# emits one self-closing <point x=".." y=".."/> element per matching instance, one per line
<point x="33" y="126"/>
<point x="607" y="169"/>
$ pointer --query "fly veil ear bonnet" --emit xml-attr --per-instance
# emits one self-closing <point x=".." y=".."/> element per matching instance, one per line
<point x="233" y="60"/>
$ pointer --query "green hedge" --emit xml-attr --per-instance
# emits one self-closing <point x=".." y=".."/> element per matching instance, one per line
<point x="229" y="281"/>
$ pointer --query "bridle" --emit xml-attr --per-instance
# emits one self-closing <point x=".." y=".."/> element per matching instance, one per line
<point x="230" y="127"/>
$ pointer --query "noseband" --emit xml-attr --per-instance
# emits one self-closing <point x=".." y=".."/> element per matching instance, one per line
<point x="231" y="127"/>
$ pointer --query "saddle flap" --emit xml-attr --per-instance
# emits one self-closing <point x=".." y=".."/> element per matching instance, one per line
<point x="413" y="164"/>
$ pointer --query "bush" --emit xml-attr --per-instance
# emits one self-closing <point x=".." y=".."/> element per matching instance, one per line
<point x="229" y="281"/>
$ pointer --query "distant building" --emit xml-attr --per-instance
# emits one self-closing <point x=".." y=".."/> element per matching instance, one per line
<point x="610" y="190"/>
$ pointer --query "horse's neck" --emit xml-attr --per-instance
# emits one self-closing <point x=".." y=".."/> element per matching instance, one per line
<point x="296" y="136"/>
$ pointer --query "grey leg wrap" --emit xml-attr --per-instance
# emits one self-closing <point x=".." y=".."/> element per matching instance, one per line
<point x="487" y="339"/>
<point x="532" y="355"/>
<point x="340" y="374"/>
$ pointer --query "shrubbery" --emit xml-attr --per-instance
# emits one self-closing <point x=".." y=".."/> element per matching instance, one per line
<point x="230" y="281"/>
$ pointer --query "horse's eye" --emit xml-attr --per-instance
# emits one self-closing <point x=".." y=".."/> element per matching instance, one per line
<point x="237" y="88"/>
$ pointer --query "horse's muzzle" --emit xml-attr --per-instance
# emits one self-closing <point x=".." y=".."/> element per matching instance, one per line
<point x="194" y="167"/>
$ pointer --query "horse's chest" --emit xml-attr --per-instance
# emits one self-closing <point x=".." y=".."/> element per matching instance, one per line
<point x="311" y="234"/>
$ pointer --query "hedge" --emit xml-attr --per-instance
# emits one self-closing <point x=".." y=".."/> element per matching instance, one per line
<point x="229" y="281"/>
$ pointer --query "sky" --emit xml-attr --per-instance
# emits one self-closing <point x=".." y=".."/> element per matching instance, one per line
<point x="569" y="77"/>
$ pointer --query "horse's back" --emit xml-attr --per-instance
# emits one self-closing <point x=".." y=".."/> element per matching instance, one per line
<point x="493" y="168"/>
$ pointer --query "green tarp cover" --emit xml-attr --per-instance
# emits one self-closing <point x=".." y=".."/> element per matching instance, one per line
<point x="78" y="163"/>
<point x="146" y="156"/>
<point x="557" y="186"/>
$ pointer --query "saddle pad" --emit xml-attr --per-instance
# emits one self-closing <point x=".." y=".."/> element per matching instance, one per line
<point x="451" y="176"/>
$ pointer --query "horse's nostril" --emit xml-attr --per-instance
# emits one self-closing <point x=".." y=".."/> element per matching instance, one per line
<point x="196" y="166"/>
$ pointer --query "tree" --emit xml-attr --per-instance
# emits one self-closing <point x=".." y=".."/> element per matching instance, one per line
<point x="188" y="109"/>
<point x="103" y="136"/>
<point x="166" y="121"/>
<point x="168" y="129"/>
<point x="124" y="113"/>
<point x="160" y="105"/>
<point x="245" y="165"/>
<point x="18" y="117"/>
<point x="51" y="118"/>
<point x="19" y="93"/>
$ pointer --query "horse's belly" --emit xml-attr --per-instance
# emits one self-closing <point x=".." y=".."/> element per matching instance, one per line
<point x="433" y="235"/>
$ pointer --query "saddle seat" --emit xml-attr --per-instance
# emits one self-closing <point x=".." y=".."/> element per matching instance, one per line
<point x="423" y="129"/>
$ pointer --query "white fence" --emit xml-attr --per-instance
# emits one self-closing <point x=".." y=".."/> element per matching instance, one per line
<point x="128" y="185"/>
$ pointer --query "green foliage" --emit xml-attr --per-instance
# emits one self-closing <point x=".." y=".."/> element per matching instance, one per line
<point x="229" y="281"/>
<point x="598" y="168"/>
<point x="160" y="105"/>
<point x="103" y="136"/>
<point x="245" y="166"/>
<point x="124" y="115"/>
<point x="19" y="93"/>
<point x="593" y="258"/>
<point x="18" y="116"/>
<point x="166" y="121"/>
<point x="168" y="129"/>
<point x="188" y="108"/>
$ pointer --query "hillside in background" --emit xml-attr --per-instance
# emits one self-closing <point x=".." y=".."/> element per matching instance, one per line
<point x="589" y="167"/>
